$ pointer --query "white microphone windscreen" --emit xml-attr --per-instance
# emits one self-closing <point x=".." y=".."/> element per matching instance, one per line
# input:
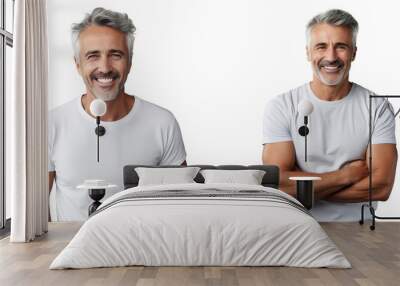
<point x="305" y="107"/>
<point x="98" y="107"/>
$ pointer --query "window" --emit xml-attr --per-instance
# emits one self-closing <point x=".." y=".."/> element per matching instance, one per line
<point x="6" y="44"/>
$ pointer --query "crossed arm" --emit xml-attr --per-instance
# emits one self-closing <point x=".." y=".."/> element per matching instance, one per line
<point x="348" y="184"/>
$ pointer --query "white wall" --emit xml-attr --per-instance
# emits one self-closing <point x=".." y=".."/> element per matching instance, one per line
<point x="215" y="63"/>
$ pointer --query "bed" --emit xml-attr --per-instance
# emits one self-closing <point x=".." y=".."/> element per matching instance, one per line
<point x="201" y="224"/>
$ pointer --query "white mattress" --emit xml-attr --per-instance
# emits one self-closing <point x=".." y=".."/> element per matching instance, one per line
<point x="183" y="231"/>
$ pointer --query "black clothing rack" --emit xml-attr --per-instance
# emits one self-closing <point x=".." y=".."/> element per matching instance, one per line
<point x="369" y="205"/>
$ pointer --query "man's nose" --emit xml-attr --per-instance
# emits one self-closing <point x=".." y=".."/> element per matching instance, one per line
<point x="331" y="54"/>
<point x="104" y="65"/>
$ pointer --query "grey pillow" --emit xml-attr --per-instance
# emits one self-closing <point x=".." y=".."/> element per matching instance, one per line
<point x="166" y="176"/>
<point x="248" y="177"/>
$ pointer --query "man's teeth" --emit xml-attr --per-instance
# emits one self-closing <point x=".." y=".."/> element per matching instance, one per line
<point x="104" y="80"/>
<point x="331" y="68"/>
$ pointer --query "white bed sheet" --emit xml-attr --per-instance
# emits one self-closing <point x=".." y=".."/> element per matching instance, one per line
<point x="200" y="231"/>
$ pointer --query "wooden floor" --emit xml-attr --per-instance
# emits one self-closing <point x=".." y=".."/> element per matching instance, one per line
<point x="374" y="255"/>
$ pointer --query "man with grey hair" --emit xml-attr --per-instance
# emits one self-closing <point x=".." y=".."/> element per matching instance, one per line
<point x="136" y="131"/>
<point x="339" y="133"/>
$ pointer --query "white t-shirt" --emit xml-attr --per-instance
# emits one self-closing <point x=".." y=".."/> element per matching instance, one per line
<point x="339" y="132"/>
<point x="148" y="135"/>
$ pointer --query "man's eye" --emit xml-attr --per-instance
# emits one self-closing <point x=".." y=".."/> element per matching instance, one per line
<point x="91" y="57"/>
<point x="116" y="56"/>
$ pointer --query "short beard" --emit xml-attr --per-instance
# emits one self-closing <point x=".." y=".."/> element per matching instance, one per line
<point x="109" y="96"/>
<point x="330" y="82"/>
<point x="325" y="81"/>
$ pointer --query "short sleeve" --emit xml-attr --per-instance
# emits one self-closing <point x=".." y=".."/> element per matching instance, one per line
<point x="384" y="131"/>
<point x="276" y="122"/>
<point x="174" y="149"/>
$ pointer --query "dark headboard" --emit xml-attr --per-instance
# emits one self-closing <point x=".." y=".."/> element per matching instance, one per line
<point x="270" y="179"/>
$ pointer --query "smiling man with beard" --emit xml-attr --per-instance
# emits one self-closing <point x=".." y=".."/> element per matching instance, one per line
<point x="339" y="133"/>
<point x="137" y="132"/>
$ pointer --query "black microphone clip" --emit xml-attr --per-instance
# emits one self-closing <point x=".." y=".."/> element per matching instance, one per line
<point x="100" y="130"/>
<point x="303" y="130"/>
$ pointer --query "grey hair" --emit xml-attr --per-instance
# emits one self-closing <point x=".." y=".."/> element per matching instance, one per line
<point x="108" y="18"/>
<point x="335" y="17"/>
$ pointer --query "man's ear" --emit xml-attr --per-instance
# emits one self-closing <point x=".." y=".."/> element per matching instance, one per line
<point x="308" y="54"/>
<point x="354" y="54"/>
<point x="77" y="65"/>
<point x="130" y="67"/>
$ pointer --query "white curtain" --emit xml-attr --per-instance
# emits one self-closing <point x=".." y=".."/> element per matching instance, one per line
<point x="26" y="123"/>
